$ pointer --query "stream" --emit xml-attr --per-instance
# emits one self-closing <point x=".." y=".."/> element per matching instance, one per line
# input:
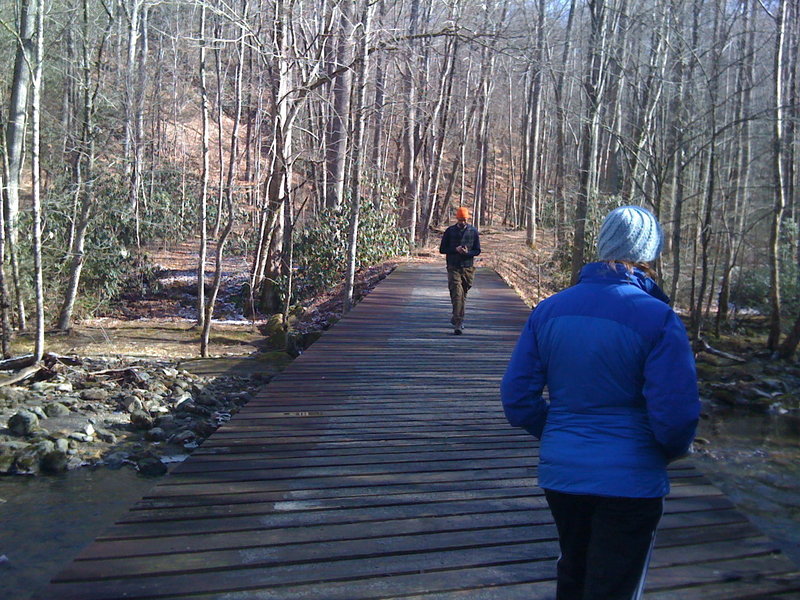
<point x="46" y="520"/>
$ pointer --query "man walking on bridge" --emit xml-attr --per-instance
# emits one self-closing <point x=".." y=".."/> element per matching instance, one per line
<point x="460" y="244"/>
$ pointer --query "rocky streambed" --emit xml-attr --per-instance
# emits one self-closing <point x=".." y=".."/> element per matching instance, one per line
<point x="88" y="412"/>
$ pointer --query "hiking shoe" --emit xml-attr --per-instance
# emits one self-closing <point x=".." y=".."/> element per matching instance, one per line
<point x="457" y="331"/>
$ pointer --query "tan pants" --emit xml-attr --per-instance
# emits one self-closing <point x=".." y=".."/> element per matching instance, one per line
<point x="459" y="281"/>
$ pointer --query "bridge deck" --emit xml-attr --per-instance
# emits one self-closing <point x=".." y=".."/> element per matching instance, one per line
<point x="379" y="465"/>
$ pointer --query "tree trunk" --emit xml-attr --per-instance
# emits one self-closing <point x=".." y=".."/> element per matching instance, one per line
<point x="561" y="124"/>
<point x="779" y="177"/>
<point x="358" y="155"/>
<point x="592" y="88"/>
<point x="84" y="182"/>
<point x="36" y="112"/>
<point x="409" y="176"/>
<point x="440" y="121"/>
<point x="534" y="129"/>
<point x="230" y="183"/>
<point x="204" y="177"/>
<point x="336" y="143"/>
<point x="18" y="111"/>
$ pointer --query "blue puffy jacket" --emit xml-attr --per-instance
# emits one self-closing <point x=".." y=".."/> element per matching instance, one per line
<point x="622" y="385"/>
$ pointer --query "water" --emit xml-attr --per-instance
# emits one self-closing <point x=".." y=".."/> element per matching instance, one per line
<point x="45" y="521"/>
<point x="755" y="460"/>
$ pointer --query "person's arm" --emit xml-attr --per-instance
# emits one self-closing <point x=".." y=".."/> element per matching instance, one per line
<point x="445" y="243"/>
<point x="476" y="245"/>
<point x="670" y="389"/>
<point x="523" y="383"/>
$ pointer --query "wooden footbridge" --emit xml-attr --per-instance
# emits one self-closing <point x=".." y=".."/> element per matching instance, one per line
<point x="379" y="465"/>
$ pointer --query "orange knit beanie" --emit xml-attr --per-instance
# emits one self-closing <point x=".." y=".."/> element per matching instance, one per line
<point x="462" y="212"/>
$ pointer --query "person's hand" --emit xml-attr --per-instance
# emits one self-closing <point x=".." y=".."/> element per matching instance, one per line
<point x="461" y="249"/>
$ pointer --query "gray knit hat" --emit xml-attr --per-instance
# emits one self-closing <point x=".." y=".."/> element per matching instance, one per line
<point x="630" y="233"/>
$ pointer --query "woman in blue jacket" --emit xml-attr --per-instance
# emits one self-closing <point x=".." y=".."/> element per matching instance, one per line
<point x="623" y="403"/>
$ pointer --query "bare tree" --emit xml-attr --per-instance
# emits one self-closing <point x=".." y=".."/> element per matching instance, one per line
<point x="91" y="61"/>
<point x="36" y="179"/>
<point x="204" y="175"/>
<point x="359" y="121"/>
<point x="782" y="39"/>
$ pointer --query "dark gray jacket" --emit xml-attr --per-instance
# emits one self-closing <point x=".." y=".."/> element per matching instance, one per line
<point x="454" y="237"/>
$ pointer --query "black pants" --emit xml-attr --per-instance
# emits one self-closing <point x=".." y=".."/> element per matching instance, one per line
<point x="605" y="544"/>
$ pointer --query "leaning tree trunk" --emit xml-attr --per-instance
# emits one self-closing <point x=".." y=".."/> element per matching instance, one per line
<point x="84" y="174"/>
<point x="15" y="136"/>
<point x="439" y="124"/>
<point x="229" y="187"/>
<point x="17" y="111"/>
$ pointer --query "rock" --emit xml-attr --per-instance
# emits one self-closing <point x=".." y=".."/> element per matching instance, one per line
<point x="11" y="396"/>
<point x="40" y="433"/>
<point x="206" y="399"/>
<point x="38" y="411"/>
<point x="81" y="437"/>
<point x="141" y="420"/>
<point x="150" y="466"/>
<point x="203" y="429"/>
<point x="131" y="403"/>
<point x="62" y="445"/>
<point x="43" y="447"/>
<point x="193" y="409"/>
<point x="169" y="372"/>
<point x="774" y="385"/>
<point x="157" y="388"/>
<point x="8" y="455"/>
<point x="115" y="460"/>
<point x="165" y="421"/>
<point x="56" y="409"/>
<point x="89" y="429"/>
<point x="27" y="463"/>
<point x="106" y="436"/>
<point x="23" y="423"/>
<point x="153" y="406"/>
<point x="181" y="398"/>
<point x="183" y="437"/>
<point x="274" y="332"/>
<point x="49" y="386"/>
<point x="156" y="434"/>
<point x="54" y="462"/>
<point x="7" y="463"/>
<point x="95" y="394"/>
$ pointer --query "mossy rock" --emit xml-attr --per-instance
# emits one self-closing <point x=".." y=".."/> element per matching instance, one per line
<point x="274" y="332"/>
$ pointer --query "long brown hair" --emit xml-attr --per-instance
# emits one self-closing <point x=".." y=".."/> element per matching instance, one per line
<point x="646" y="268"/>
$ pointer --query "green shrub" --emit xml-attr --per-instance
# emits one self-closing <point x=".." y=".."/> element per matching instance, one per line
<point x="320" y="249"/>
<point x="750" y="288"/>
